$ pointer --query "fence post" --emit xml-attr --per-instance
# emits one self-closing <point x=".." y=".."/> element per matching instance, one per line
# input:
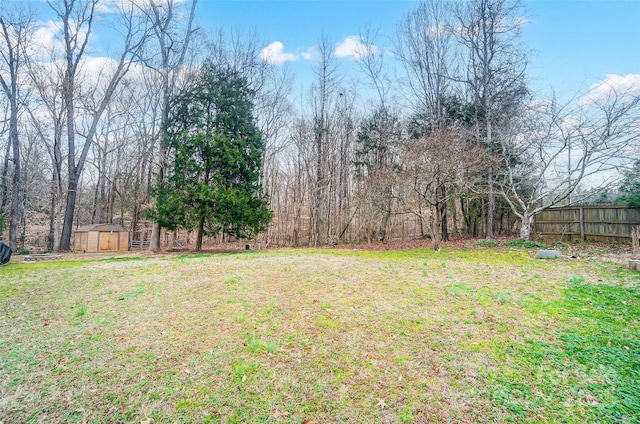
<point x="582" y="235"/>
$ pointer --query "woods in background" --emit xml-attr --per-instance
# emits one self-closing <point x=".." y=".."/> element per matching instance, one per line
<point x="440" y="136"/>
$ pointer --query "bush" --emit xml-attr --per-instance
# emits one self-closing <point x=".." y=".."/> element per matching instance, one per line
<point x="535" y="245"/>
<point x="526" y="244"/>
<point x="23" y="252"/>
<point x="515" y="243"/>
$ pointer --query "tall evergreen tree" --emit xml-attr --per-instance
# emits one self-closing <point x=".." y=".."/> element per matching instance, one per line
<point x="215" y="160"/>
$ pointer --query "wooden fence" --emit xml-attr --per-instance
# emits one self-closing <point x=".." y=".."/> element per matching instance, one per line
<point x="596" y="223"/>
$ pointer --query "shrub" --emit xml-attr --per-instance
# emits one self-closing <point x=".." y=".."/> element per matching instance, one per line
<point x="528" y="244"/>
<point x="23" y="252"/>
<point x="535" y="245"/>
<point x="515" y="243"/>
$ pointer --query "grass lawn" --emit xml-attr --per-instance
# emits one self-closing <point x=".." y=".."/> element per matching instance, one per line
<point x="321" y="336"/>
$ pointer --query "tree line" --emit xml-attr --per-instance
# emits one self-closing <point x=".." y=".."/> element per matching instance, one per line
<point x="186" y="134"/>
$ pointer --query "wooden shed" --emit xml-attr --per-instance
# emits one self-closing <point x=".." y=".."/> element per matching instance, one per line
<point x="100" y="238"/>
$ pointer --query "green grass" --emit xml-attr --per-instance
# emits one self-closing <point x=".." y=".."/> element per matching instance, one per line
<point x="330" y="336"/>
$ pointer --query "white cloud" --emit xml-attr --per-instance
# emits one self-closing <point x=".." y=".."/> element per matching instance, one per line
<point x="311" y="54"/>
<point x="46" y="43"/>
<point x="352" y="46"/>
<point x="138" y="7"/>
<point x="437" y="31"/>
<point x="622" y="86"/>
<point x="274" y="53"/>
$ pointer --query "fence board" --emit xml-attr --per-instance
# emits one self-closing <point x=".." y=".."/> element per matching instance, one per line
<point x="591" y="222"/>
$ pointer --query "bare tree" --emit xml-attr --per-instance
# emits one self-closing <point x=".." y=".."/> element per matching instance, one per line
<point x="46" y="80"/>
<point x="273" y="112"/>
<point x="371" y="61"/>
<point x="34" y="193"/>
<point x="376" y="144"/>
<point x="4" y="175"/>
<point x="16" y="26"/>
<point x="550" y="150"/>
<point x="425" y="48"/>
<point x="494" y="72"/>
<point x="77" y="20"/>
<point x="323" y="95"/>
<point x="298" y="191"/>
<point x="442" y="158"/>
<point x="172" y="40"/>
<point x="377" y="163"/>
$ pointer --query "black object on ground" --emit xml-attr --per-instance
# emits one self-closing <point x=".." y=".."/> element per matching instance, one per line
<point x="5" y="254"/>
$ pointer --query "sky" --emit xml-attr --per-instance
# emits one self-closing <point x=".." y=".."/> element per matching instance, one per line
<point x="574" y="44"/>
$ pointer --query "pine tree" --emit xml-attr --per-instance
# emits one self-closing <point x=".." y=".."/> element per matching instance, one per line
<point x="215" y="160"/>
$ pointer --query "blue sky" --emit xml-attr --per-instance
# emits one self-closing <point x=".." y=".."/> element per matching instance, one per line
<point x="577" y="43"/>
<point x="574" y="44"/>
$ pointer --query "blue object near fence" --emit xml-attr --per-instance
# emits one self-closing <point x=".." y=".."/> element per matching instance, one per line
<point x="549" y="254"/>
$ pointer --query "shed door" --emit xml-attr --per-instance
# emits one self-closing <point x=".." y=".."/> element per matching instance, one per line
<point x="82" y="242"/>
<point x="108" y="240"/>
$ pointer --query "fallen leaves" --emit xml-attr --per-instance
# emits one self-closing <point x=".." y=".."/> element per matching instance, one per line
<point x="278" y="413"/>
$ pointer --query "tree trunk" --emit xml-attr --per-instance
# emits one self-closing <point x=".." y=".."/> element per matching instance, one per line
<point x="94" y="206"/>
<point x="319" y="195"/>
<point x="56" y="232"/>
<point x="154" y="243"/>
<point x="434" y="229"/>
<point x="199" y="235"/>
<point x="491" y="204"/>
<point x="525" y="226"/>
<point x="15" y="189"/>
<point x="67" y="223"/>
<point x="4" y="187"/>
<point x="441" y="193"/>
<point x="52" y="213"/>
<point x="56" y="211"/>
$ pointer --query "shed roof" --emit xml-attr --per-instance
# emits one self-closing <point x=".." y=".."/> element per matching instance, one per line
<point x="108" y="227"/>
